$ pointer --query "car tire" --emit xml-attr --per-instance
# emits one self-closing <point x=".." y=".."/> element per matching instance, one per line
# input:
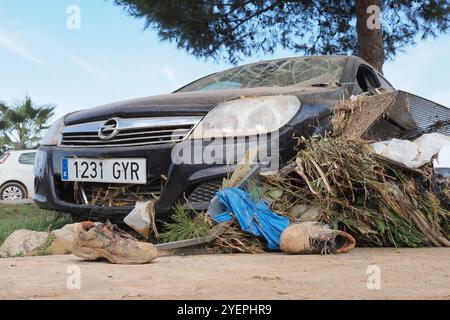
<point x="12" y="191"/>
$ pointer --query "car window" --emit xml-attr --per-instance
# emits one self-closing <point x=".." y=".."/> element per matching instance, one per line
<point x="300" y="71"/>
<point x="221" y="86"/>
<point x="367" y="79"/>
<point x="385" y="84"/>
<point x="27" y="158"/>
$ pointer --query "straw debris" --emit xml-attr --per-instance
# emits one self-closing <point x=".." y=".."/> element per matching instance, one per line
<point x="379" y="202"/>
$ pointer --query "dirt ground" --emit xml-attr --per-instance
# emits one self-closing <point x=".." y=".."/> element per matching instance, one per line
<point x="404" y="274"/>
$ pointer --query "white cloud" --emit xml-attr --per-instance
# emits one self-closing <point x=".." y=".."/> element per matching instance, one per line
<point x="13" y="46"/>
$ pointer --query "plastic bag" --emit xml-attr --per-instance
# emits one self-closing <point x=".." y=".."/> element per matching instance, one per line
<point x="412" y="154"/>
<point x="429" y="145"/>
<point x="141" y="218"/>
<point x="380" y="147"/>
<point x="253" y="216"/>
<point x="402" y="151"/>
<point x="443" y="158"/>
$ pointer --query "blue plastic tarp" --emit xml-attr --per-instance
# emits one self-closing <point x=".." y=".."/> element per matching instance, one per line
<point x="253" y="216"/>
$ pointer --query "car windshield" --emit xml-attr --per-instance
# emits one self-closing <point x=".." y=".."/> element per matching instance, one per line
<point x="303" y="72"/>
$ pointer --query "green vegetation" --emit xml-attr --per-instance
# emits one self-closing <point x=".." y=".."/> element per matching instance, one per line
<point x="30" y="217"/>
<point x="237" y="29"/>
<point x="21" y="125"/>
<point x="185" y="226"/>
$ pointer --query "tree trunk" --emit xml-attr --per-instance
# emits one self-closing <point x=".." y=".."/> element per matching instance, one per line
<point x="370" y="36"/>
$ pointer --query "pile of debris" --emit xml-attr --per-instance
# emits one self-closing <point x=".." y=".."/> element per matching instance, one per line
<point x="380" y="178"/>
<point x="369" y="179"/>
<point x="379" y="202"/>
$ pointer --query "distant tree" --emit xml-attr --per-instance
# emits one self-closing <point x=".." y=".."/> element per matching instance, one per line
<point x="3" y="142"/>
<point x="234" y="28"/>
<point x="21" y="125"/>
<point x="3" y="145"/>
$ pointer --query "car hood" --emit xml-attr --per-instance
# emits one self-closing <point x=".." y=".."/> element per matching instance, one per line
<point x="198" y="103"/>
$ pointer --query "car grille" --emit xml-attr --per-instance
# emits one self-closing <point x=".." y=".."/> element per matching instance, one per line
<point x="409" y="117"/>
<point x="119" y="132"/>
<point x="205" y="192"/>
<point x="39" y="187"/>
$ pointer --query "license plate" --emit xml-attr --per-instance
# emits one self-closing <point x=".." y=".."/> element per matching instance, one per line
<point x="133" y="171"/>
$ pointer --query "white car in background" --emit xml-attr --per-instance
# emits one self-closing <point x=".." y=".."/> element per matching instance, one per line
<point x="16" y="175"/>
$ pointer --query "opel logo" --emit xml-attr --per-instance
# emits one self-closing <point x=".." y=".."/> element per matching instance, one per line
<point x="108" y="130"/>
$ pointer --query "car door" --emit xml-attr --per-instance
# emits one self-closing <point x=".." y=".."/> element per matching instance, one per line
<point x="24" y="165"/>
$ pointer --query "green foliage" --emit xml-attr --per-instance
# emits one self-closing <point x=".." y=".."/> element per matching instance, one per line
<point x="30" y="217"/>
<point x="185" y="226"/>
<point x="3" y="144"/>
<point x="236" y="28"/>
<point x="21" y="125"/>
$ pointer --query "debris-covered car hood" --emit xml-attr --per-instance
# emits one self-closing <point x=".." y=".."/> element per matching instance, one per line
<point x="199" y="103"/>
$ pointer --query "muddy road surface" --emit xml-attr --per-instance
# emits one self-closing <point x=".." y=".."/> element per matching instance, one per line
<point x="360" y="274"/>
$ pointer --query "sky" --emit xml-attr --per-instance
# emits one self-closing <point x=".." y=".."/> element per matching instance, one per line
<point x="111" y="58"/>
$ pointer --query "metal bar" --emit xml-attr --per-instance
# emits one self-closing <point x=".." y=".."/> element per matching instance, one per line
<point x="63" y="144"/>
<point x="95" y="135"/>
<point x="112" y="141"/>
<point x="135" y="123"/>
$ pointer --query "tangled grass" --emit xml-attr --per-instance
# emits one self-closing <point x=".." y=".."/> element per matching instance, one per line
<point x="378" y="204"/>
<point x="234" y="240"/>
<point x="186" y="226"/>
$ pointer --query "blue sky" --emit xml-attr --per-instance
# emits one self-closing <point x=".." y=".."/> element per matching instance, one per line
<point x="112" y="58"/>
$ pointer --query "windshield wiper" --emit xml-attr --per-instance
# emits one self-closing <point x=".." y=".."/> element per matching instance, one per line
<point x="319" y="85"/>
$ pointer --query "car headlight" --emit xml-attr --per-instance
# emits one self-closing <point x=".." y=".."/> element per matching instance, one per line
<point x="247" y="116"/>
<point x="39" y="163"/>
<point x="52" y="135"/>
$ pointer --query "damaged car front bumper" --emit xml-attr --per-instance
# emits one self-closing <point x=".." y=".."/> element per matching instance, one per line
<point x="169" y="180"/>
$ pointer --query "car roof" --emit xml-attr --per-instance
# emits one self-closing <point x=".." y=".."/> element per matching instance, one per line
<point x="335" y="57"/>
<point x="20" y="151"/>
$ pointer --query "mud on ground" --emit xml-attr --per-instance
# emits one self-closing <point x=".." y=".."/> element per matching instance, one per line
<point x="405" y="274"/>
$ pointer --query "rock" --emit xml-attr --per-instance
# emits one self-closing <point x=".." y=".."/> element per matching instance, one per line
<point x="63" y="239"/>
<point x="26" y="242"/>
<point x="23" y="242"/>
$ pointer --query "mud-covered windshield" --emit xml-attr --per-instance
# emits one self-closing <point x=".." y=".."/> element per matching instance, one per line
<point x="303" y="71"/>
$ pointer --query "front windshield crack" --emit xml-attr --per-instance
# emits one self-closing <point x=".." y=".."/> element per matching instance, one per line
<point x="299" y="72"/>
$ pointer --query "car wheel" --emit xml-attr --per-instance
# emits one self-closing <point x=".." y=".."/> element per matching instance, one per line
<point x="12" y="191"/>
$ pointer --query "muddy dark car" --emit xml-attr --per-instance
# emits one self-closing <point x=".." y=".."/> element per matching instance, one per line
<point x="97" y="163"/>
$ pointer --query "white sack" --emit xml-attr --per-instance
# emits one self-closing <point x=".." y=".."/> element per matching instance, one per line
<point x="412" y="154"/>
